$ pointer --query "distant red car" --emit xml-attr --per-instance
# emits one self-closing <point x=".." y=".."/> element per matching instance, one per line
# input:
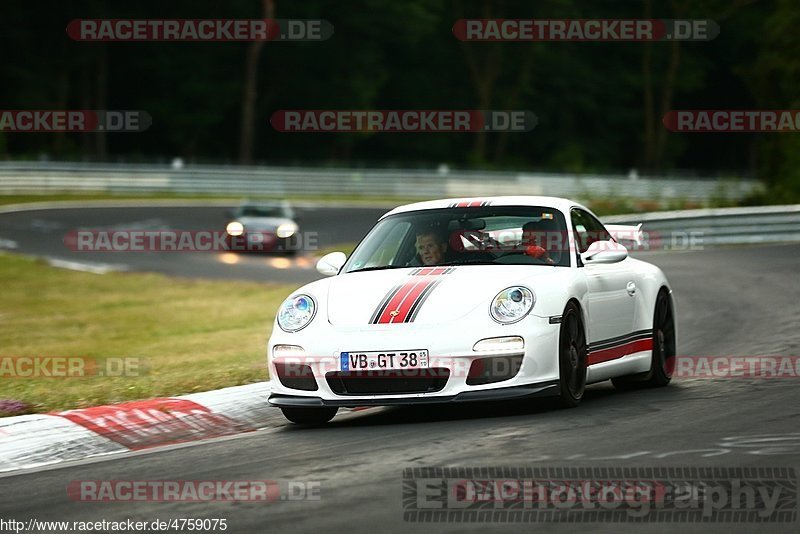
<point x="263" y="227"/>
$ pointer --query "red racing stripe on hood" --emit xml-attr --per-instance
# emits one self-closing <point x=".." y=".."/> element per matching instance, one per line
<point x="398" y="304"/>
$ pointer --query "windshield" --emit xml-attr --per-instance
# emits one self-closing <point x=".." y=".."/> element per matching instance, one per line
<point x="264" y="211"/>
<point x="516" y="235"/>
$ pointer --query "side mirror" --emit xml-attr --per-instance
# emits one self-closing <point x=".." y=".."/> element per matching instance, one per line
<point x="331" y="264"/>
<point x="604" y="252"/>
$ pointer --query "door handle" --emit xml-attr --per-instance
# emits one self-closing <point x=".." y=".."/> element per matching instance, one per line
<point x="631" y="288"/>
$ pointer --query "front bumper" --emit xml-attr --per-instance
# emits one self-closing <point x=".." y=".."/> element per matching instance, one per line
<point x="255" y="242"/>
<point x="542" y="389"/>
<point x="450" y="349"/>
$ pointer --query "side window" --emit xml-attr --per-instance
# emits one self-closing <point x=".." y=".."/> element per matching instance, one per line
<point x="587" y="229"/>
<point x="597" y="232"/>
<point x="579" y="227"/>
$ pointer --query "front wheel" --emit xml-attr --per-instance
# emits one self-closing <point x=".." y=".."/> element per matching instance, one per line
<point x="572" y="352"/>
<point x="663" y="363"/>
<point x="309" y="416"/>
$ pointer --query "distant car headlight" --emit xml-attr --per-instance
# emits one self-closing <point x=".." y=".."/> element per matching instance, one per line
<point x="296" y="312"/>
<point x="286" y="230"/>
<point x="512" y="304"/>
<point x="235" y="228"/>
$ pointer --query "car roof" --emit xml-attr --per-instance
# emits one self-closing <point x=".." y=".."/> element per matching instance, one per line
<point x="558" y="203"/>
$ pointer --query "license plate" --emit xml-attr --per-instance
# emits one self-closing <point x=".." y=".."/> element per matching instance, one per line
<point x="367" y="361"/>
<point x="255" y="238"/>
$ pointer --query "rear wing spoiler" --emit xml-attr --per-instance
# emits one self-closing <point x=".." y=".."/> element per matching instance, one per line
<point x="626" y="232"/>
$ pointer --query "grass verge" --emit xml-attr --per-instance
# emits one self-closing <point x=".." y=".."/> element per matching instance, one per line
<point x="347" y="248"/>
<point x="610" y="205"/>
<point x="185" y="335"/>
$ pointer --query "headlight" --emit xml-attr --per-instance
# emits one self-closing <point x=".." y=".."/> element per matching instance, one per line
<point x="235" y="228"/>
<point x="286" y="230"/>
<point x="296" y="312"/>
<point x="512" y="304"/>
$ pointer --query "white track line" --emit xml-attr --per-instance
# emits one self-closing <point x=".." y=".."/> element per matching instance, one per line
<point x="86" y="267"/>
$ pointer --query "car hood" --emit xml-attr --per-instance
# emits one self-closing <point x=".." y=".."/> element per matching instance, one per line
<point x="424" y="295"/>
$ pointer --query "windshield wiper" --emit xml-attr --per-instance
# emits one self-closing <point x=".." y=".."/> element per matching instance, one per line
<point x="465" y="262"/>
<point x="443" y="264"/>
<point x="377" y="268"/>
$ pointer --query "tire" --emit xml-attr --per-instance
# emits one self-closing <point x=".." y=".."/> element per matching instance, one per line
<point x="572" y="352"/>
<point x="662" y="362"/>
<point x="664" y="346"/>
<point x="309" y="416"/>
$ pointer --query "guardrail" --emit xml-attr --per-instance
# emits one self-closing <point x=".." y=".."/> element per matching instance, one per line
<point x="710" y="227"/>
<point x="19" y="177"/>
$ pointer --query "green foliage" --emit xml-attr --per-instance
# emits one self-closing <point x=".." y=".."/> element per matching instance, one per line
<point x="165" y="325"/>
<point x="591" y="99"/>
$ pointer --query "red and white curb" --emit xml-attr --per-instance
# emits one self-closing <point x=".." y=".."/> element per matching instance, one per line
<point x="29" y="441"/>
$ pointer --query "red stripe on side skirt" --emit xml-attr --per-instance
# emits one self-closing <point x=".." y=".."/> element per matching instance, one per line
<point x="613" y="353"/>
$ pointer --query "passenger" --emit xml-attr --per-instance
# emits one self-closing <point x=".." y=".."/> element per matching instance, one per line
<point x="540" y="240"/>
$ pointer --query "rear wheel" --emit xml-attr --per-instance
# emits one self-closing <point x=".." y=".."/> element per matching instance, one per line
<point x="571" y="357"/>
<point x="309" y="416"/>
<point x="662" y="362"/>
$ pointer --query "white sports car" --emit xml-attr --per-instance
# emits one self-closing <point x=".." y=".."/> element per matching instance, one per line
<point x="469" y="300"/>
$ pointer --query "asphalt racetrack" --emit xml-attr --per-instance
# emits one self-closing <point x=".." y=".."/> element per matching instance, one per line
<point x="730" y="302"/>
<point x="42" y="233"/>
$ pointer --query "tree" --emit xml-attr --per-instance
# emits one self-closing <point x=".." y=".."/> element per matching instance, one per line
<point x="250" y="91"/>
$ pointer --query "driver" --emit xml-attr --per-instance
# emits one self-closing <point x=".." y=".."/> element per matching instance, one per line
<point x="431" y="247"/>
